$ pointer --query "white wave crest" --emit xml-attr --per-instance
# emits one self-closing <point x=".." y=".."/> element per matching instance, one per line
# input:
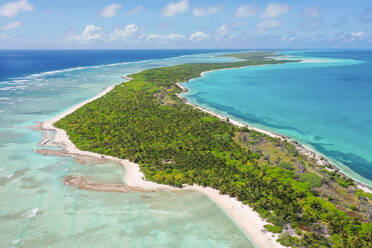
<point x="16" y="241"/>
<point x="7" y="88"/>
<point x="21" y="81"/>
<point x="42" y="74"/>
<point x="31" y="213"/>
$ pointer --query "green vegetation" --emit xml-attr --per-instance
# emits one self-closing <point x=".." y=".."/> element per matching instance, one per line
<point x="361" y="193"/>
<point x="145" y="121"/>
<point x="287" y="240"/>
<point x="273" y="229"/>
<point x="251" y="55"/>
<point x="311" y="179"/>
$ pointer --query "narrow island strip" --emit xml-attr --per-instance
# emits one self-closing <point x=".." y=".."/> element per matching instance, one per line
<point x="259" y="179"/>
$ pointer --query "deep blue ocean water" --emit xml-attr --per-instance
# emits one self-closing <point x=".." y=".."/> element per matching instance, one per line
<point x="324" y="102"/>
<point x="38" y="210"/>
<point x="15" y="63"/>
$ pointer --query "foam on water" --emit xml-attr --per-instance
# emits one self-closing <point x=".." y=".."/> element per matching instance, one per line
<point x="7" y="88"/>
<point x="31" y="213"/>
<point x="8" y="177"/>
<point x="16" y="241"/>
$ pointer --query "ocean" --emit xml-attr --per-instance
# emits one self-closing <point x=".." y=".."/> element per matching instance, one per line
<point x="325" y="102"/>
<point x="38" y="210"/>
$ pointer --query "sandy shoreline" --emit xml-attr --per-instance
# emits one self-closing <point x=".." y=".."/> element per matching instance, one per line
<point x="244" y="216"/>
<point x="133" y="176"/>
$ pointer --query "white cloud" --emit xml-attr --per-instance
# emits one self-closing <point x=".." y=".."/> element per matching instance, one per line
<point x="110" y="10"/>
<point x="274" y="10"/>
<point x="288" y="40"/>
<point x="222" y="30"/>
<point x="11" y="25"/>
<point x="358" y="35"/>
<point x="223" y="33"/>
<point x="173" y="9"/>
<point x="5" y="37"/>
<point x="206" y="11"/>
<point x="173" y="37"/>
<point x="90" y="33"/>
<point x="353" y="37"/>
<point x="268" y="24"/>
<point x="127" y="32"/>
<point x="13" y="8"/>
<point x="312" y="12"/>
<point x="246" y="10"/>
<point x="199" y="36"/>
<point x="135" y="10"/>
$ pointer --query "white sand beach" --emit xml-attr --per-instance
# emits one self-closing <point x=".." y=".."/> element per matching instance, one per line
<point x="245" y="217"/>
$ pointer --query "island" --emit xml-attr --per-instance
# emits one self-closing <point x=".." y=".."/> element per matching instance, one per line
<point x="147" y="125"/>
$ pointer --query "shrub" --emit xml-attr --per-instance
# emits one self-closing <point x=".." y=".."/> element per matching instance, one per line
<point x="273" y="229"/>
<point x="311" y="179"/>
<point x="286" y="239"/>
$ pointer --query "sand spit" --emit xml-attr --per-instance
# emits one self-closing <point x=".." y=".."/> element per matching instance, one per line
<point x="48" y="152"/>
<point x="82" y="183"/>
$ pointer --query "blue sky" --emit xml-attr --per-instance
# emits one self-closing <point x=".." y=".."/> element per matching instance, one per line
<point x="185" y="24"/>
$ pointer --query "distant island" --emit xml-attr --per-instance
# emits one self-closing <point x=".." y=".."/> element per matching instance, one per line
<point x="303" y="199"/>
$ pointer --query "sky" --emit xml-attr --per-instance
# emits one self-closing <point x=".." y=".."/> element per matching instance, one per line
<point x="159" y="24"/>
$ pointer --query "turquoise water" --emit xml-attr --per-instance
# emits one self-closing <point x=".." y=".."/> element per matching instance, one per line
<point x="325" y="102"/>
<point x="37" y="210"/>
